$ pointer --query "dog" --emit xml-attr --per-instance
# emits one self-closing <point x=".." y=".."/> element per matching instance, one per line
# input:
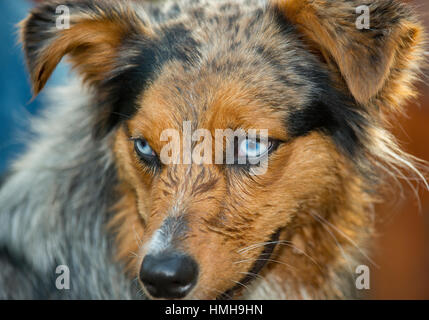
<point x="92" y="192"/>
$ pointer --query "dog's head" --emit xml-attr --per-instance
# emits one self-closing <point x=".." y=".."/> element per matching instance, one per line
<point x="301" y="86"/>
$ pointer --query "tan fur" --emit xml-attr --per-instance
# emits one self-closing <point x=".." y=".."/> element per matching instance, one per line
<point x="370" y="66"/>
<point x="91" y="45"/>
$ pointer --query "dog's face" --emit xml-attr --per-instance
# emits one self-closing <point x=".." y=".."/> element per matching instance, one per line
<point x="214" y="212"/>
<point x="206" y="226"/>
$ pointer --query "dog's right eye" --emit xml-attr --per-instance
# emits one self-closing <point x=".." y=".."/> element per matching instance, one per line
<point x="145" y="152"/>
<point x="143" y="148"/>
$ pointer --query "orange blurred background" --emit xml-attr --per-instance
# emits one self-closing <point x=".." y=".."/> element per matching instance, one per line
<point x="402" y="246"/>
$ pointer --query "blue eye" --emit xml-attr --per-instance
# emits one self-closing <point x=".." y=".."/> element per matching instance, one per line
<point x="143" y="148"/>
<point x="251" y="148"/>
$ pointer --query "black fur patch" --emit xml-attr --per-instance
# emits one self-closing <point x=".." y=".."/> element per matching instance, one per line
<point x="262" y="260"/>
<point x="334" y="114"/>
<point x="174" y="43"/>
<point x="41" y="28"/>
<point x="331" y="111"/>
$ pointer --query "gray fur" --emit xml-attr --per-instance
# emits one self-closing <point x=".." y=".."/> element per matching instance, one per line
<point x="54" y="208"/>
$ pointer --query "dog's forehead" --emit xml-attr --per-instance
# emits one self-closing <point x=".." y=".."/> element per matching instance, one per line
<point x="207" y="103"/>
<point x="242" y="66"/>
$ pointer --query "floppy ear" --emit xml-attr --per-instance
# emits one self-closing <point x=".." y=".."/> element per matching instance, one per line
<point x="95" y="32"/>
<point x="379" y="62"/>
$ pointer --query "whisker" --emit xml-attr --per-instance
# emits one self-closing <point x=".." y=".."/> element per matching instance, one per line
<point x="123" y="115"/>
<point x="132" y="253"/>
<point x="241" y="284"/>
<point x="254" y="246"/>
<point x="252" y="274"/>
<point x="289" y="244"/>
<point x="137" y="237"/>
<point x="343" y="253"/>
<point x="140" y="292"/>
<point x="280" y="242"/>
<point x="350" y="240"/>
<point x="268" y="260"/>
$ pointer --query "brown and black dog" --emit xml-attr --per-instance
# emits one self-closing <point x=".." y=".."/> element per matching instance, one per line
<point x="323" y="88"/>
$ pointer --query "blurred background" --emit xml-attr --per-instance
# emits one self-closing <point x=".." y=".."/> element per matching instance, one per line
<point x="401" y="249"/>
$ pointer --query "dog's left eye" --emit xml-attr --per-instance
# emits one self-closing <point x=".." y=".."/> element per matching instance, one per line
<point x="251" y="148"/>
<point x="143" y="148"/>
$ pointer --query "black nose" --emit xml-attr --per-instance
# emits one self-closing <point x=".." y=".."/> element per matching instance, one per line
<point x="169" y="275"/>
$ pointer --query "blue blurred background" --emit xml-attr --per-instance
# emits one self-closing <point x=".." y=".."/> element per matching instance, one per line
<point x="15" y="91"/>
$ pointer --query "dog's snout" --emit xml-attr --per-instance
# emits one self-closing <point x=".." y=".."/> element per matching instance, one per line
<point x="169" y="275"/>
